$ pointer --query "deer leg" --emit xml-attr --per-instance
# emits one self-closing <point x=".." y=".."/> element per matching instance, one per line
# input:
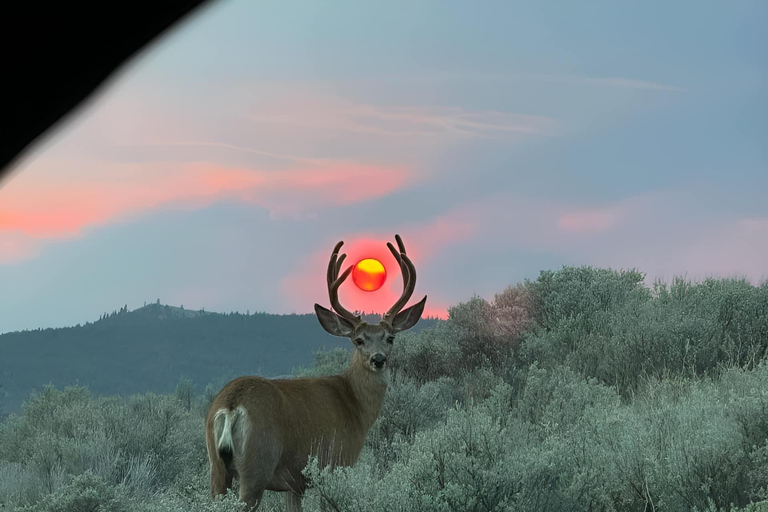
<point x="221" y="480"/>
<point x="252" y="485"/>
<point x="251" y="493"/>
<point x="221" y="476"/>
<point x="218" y="481"/>
<point x="255" y="472"/>
<point x="293" y="502"/>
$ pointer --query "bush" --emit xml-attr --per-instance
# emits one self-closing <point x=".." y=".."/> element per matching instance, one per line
<point x="489" y="332"/>
<point x="615" y="398"/>
<point x="427" y="355"/>
<point x="606" y="324"/>
<point x="143" y="443"/>
<point x="327" y="362"/>
<point x="86" y="492"/>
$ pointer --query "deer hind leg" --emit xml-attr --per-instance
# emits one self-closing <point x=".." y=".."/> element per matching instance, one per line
<point x="221" y="479"/>
<point x="256" y="470"/>
<point x="292" y="502"/>
<point x="253" y="481"/>
<point x="221" y="475"/>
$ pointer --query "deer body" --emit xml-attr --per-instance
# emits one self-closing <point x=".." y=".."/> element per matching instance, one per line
<point x="263" y="431"/>
<point x="293" y="419"/>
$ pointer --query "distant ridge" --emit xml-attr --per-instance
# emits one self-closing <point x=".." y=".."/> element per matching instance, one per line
<point x="151" y="347"/>
<point x="154" y="311"/>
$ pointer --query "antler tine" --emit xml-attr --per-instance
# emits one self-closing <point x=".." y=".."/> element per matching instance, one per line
<point x="334" y="281"/>
<point x="333" y="270"/>
<point x="399" y="243"/>
<point x="409" y="285"/>
<point x="409" y="277"/>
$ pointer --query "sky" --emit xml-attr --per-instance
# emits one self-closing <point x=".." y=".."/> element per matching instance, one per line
<point x="219" y="168"/>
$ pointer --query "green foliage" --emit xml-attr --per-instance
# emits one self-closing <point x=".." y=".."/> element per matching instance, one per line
<point x="428" y="355"/>
<point x="488" y="332"/>
<point x="184" y="392"/>
<point x="569" y="444"/>
<point x="150" y="348"/>
<point x="758" y="475"/>
<point x="86" y="492"/>
<point x="144" y="443"/>
<point x="327" y="362"/>
<point x="606" y="324"/>
<point x="581" y="297"/>
<point x="581" y="391"/>
<point x="409" y="408"/>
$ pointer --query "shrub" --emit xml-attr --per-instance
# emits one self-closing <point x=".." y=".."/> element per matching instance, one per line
<point x="428" y="355"/>
<point x="327" y="362"/>
<point x="489" y="332"/>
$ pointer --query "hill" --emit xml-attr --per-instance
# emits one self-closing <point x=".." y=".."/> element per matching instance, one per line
<point x="152" y="347"/>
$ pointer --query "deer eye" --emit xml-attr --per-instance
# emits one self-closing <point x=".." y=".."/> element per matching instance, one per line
<point x="390" y="339"/>
<point x="359" y="341"/>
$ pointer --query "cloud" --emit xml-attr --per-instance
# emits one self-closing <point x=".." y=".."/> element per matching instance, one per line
<point x="16" y="247"/>
<point x="664" y="233"/>
<point x="450" y="121"/>
<point x="726" y="248"/>
<point x="329" y="114"/>
<point x="59" y="199"/>
<point x="145" y="152"/>
<point x="628" y="83"/>
<point x="593" y="221"/>
<point x="622" y="82"/>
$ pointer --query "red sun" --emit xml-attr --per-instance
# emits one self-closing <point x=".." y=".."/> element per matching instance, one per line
<point x="369" y="274"/>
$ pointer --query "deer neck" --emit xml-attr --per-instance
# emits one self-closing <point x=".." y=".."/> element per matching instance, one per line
<point x="368" y="387"/>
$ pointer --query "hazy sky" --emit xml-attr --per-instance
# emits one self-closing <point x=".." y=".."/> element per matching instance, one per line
<point x="498" y="138"/>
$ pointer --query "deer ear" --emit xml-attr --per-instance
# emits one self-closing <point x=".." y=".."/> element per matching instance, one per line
<point x="407" y="318"/>
<point x="333" y="323"/>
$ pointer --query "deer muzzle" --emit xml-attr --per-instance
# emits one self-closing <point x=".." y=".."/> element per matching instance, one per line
<point x="378" y="360"/>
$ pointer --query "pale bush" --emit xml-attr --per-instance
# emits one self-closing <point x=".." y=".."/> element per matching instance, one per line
<point x="428" y="355"/>
<point x="327" y="362"/>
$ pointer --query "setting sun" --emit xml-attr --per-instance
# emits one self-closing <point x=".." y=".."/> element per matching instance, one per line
<point x="369" y="274"/>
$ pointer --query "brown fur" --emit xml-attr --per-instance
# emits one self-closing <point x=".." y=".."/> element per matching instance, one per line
<point x="292" y="419"/>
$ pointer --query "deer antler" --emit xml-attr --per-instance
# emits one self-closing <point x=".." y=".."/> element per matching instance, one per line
<point x="409" y="278"/>
<point x="334" y="281"/>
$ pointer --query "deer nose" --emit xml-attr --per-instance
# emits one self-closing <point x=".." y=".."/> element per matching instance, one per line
<point x="378" y="360"/>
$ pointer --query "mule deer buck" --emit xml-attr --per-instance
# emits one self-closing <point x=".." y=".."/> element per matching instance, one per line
<point x="263" y="431"/>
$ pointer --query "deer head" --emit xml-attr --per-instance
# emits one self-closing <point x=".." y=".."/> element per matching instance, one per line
<point x="372" y="341"/>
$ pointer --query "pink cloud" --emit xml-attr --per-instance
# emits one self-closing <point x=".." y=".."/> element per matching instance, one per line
<point x="436" y="235"/>
<point x="292" y="192"/>
<point x="653" y="238"/>
<point x="15" y="247"/>
<point x="59" y="193"/>
<point x="729" y="248"/>
<point x="593" y="221"/>
<point x="58" y="199"/>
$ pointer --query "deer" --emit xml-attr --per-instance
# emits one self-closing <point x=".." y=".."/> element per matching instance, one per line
<point x="263" y="431"/>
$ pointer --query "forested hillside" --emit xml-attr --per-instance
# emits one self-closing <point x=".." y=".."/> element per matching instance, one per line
<point x="152" y="347"/>
<point x="580" y="391"/>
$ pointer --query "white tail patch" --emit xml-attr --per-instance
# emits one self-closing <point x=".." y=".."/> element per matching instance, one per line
<point x="222" y="428"/>
<point x="228" y="425"/>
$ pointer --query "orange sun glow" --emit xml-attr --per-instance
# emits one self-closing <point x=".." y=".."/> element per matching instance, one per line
<point x="369" y="274"/>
